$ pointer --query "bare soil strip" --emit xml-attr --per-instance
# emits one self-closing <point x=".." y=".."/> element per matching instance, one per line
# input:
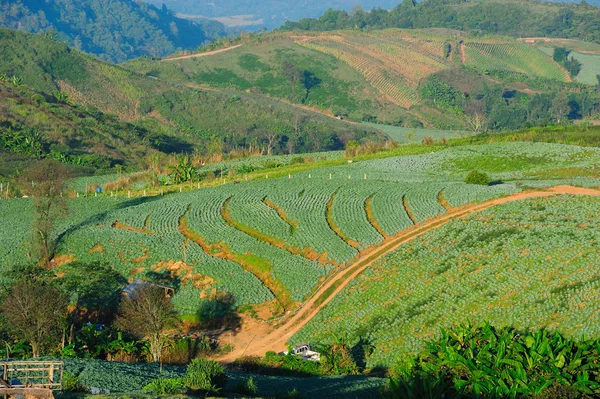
<point x="333" y="226"/>
<point x="119" y="225"/>
<point x="206" y="54"/>
<point x="308" y="253"/>
<point x="266" y="339"/>
<point x="261" y="268"/>
<point x="371" y="216"/>
<point x="443" y="202"/>
<point x="292" y="223"/>
<point x="407" y="209"/>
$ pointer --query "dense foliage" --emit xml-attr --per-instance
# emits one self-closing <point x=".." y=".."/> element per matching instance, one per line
<point x="514" y="18"/>
<point x="469" y="361"/>
<point x="116" y="30"/>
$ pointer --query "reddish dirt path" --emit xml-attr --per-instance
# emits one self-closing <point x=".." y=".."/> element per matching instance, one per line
<point x="206" y="54"/>
<point x="257" y="339"/>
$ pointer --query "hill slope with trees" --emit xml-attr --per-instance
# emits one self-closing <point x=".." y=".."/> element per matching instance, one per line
<point x="42" y="77"/>
<point x="516" y="18"/>
<point x="115" y="30"/>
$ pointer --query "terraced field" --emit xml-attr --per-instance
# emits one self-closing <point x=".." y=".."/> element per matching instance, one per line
<point x="528" y="264"/>
<point x="512" y="56"/>
<point x="278" y="239"/>
<point x="395" y="61"/>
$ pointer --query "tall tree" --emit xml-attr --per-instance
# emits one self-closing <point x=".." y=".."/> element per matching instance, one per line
<point x="148" y="314"/>
<point x="560" y="107"/>
<point x="293" y="74"/>
<point x="46" y="182"/>
<point x="35" y="312"/>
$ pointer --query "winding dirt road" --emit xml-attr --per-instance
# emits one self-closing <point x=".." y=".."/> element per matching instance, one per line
<point x="261" y="338"/>
<point x="206" y="54"/>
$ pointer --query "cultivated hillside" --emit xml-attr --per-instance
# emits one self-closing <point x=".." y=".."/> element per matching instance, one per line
<point x="172" y="117"/>
<point x="516" y="18"/>
<point x="415" y="78"/>
<point x="115" y="30"/>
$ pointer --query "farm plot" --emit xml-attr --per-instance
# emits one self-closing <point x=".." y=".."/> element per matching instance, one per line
<point x="513" y="56"/>
<point x="527" y="264"/>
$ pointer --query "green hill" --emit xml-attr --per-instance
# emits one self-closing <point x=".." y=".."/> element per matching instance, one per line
<point x="115" y="30"/>
<point x="410" y="78"/>
<point x="171" y="118"/>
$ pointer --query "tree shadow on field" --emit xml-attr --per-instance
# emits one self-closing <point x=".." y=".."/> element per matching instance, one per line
<point x="310" y="81"/>
<point x="219" y="312"/>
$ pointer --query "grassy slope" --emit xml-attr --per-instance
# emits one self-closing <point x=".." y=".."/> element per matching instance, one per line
<point x="361" y="74"/>
<point x="179" y="117"/>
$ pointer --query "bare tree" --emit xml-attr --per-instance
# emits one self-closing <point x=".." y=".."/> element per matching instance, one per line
<point x="478" y="122"/>
<point x="148" y="314"/>
<point x="46" y="182"/>
<point x="36" y="313"/>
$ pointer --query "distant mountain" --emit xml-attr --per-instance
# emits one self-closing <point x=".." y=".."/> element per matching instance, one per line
<point x="268" y="13"/>
<point x="115" y="30"/>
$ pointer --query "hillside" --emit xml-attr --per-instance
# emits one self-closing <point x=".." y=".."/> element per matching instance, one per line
<point x="516" y="18"/>
<point x="274" y="240"/>
<point x="115" y="30"/>
<point x="412" y="78"/>
<point x="171" y="118"/>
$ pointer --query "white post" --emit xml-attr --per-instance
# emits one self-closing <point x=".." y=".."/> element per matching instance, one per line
<point x="266" y="176"/>
<point x="330" y="177"/>
<point x="77" y="195"/>
<point x="310" y="175"/>
<point x="144" y="193"/>
<point x="365" y="176"/>
<point x="289" y="176"/>
<point x="348" y="177"/>
<point x="128" y="194"/>
<point x="198" y="185"/>
<point x="181" y="188"/>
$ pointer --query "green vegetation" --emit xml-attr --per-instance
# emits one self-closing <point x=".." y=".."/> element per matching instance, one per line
<point x="404" y="135"/>
<point x="514" y="18"/>
<point x="469" y="362"/>
<point x="476" y="177"/>
<point x="205" y="375"/>
<point x="590" y="67"/>
<point x="115" y="30"/>
<point x="397" y="77"/>
<point x="524" y="264"/>
<point x="114" y="116"/>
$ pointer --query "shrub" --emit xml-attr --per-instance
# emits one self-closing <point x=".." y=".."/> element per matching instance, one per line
<point x="477" y="177"/>
<point x="71" y="384"/>
<point x="428" y="141"/>
<point x="205" y="375"/>
<point x="296" y="160"/>
<point x="165" y="386"/>
<point x="247" y="387"/>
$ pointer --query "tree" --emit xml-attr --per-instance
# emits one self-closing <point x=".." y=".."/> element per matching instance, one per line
<point x="477" y="177"/>
<point x="293" y="74"/>
<point x="46" y="182"/>
<point x="35" y="312"/>
<point x="205" y="375"/>
<point x="148" y="314"/>
<point x="478" y="122"/>
<point x="560" y="106"/>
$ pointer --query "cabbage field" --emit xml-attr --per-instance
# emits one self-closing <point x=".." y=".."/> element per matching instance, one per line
<point x="278" y="239"/>
<point x="528" y="264"/>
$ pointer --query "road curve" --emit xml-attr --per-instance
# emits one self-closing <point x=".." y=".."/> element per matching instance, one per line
<point x="206" y="54"/>
<point x="262" y="340"/>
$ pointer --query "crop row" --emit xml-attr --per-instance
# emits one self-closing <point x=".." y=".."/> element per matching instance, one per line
<point x="527" y="264"/>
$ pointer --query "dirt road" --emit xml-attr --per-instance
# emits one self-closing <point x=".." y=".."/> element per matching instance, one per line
<point x="259" y="339"/>
<point x="206" y="54"/>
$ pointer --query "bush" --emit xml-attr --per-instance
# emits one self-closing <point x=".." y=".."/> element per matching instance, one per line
<point x="71" y="384"/>
<point x="205" y="375"/>
<point x="476" y="177"/>
<point x="247" y="387"/>
<point x="165" y="386"/>
<point x="296" y="160"/>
